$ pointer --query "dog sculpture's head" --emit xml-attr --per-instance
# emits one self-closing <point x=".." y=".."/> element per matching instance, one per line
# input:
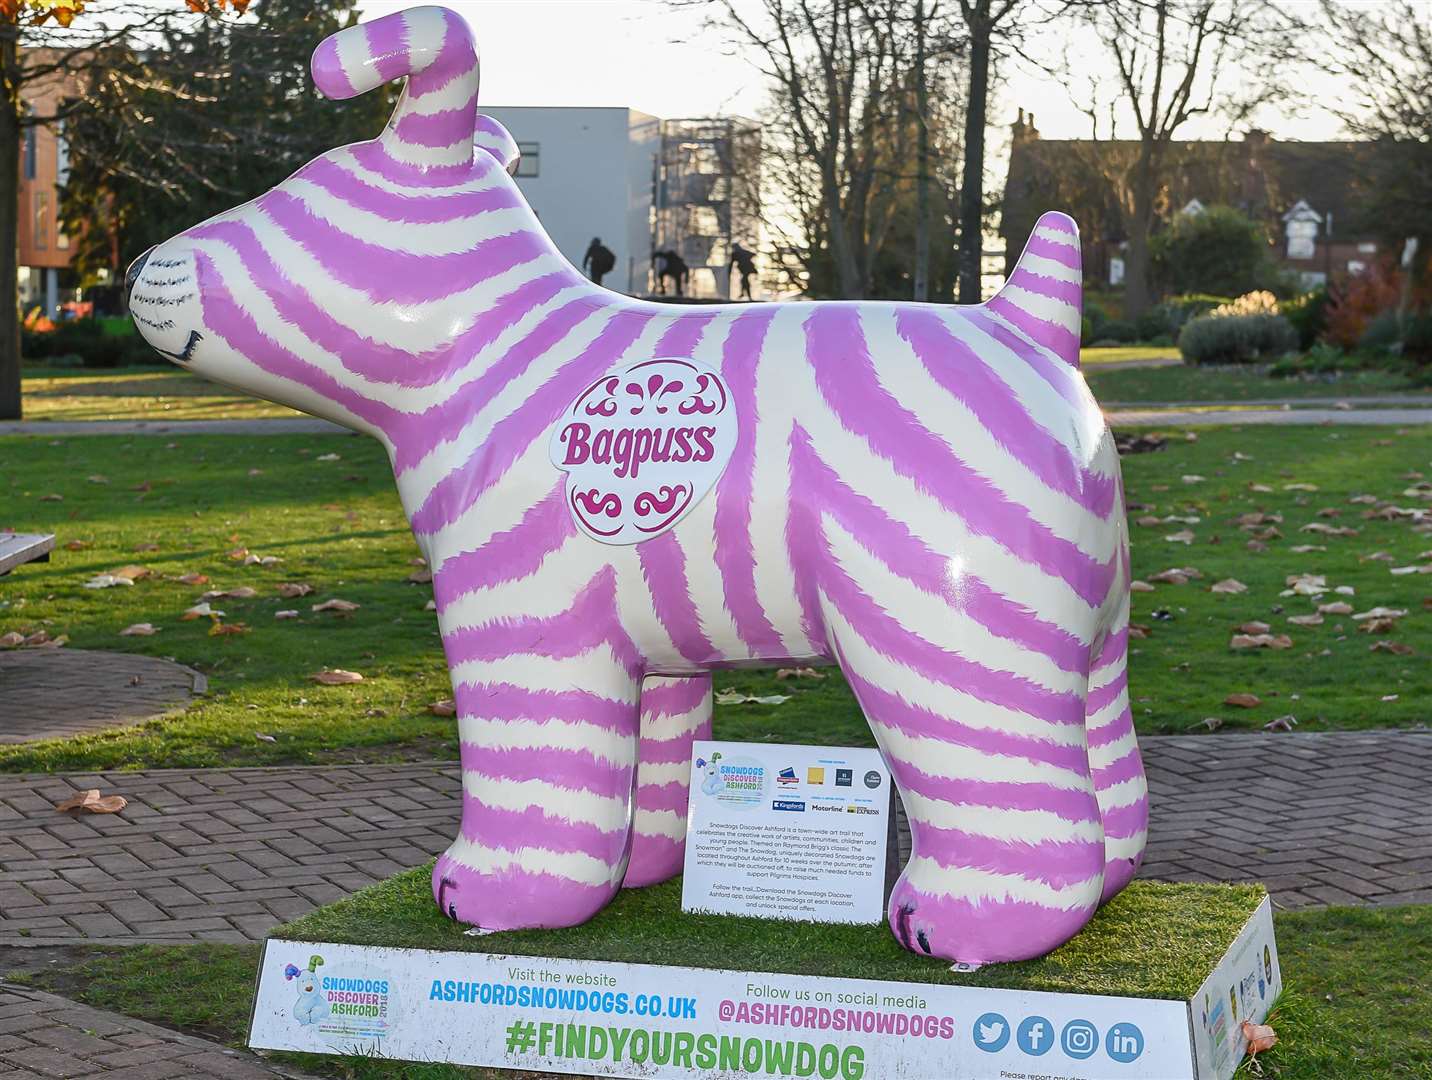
<point x="362" y="273"/>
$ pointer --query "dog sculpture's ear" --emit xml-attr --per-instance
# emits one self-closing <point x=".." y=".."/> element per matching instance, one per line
<point x="497" y="141"/>
<point x="432" y="126"/>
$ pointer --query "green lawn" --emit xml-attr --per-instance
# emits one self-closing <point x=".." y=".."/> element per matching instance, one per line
<point x="1359" y="980"/>
<point x="337" y="526"/>
<point x="1122" y="354"/>
<point x="162" y="392"/>
<point x="1195" y="384"/>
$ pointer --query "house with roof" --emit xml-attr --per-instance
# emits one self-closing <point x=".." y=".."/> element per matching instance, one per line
<point x="1305" y="192"/>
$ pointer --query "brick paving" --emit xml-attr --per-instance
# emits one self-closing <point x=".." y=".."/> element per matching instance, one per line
<point x="226" y="854"/>
<point x="56" y="693"/>
<point x="44" y="1037"/>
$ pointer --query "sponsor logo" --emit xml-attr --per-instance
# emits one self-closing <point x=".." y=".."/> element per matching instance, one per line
<point x="1124" y="1042"/>
<point x="1079" y="1039"/>
<point x="815" y="775"/>
<point x="788" y="804"/>
<point x="872" y="779"/>
<point x="827" y="808"/>
<point x="642" y="445"/>
<point x="868" y="810"/>
<point x="787" y="777"/>
<point x="991" y="1032"/>
<point x="844" y="777"/>
<point x="738" y="782"/>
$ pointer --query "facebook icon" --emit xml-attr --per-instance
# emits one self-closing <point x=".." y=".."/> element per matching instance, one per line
<point x="1035" y="1036"/>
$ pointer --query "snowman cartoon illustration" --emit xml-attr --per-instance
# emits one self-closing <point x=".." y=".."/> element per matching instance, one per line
<point x="712" y="784"/>
<point x="311" y="1006"/>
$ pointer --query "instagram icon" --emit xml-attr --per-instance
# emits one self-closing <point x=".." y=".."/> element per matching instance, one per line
<point x="1079" y="1039"/>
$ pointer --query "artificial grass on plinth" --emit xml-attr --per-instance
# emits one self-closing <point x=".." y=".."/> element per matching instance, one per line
<point x="1153" y="940"/>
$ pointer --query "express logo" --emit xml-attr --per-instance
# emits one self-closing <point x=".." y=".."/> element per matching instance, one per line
<point x="642" y="445"/>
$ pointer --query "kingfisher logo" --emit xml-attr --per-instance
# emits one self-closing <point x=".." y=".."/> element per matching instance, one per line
<point x="787" y="777"/>
<point x="788" y="804"/>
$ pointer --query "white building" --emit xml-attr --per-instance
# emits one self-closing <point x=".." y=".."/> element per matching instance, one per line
<point x="588" y="172"/>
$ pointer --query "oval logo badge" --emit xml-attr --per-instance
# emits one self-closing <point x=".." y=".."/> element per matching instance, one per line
<point x="642" y="445"/>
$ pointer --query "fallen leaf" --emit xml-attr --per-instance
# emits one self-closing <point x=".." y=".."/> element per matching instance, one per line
<point x="261" y="560"/>
<point x="97" y="479"/>
<point x="1140" y="586"/>
<point x="1402" y="571"/>
<point x="1328" y="530"/>
<point x="1306" y="620"/>
<point x="1380" y="613"/>
<point x="289" y="590"/>
<point x="1228" y="585"/>
<point x="1192" y="478"/>
<point x="264" y="738"/>
<point x="1176" y="575"/>
<point x="134" y="573"/>
<point x="1329" y="512"/>
<point x="285" y="614"/>
<point x="1345" y="590"/>
<point x="328" y="457"/>
<point x="1396" y="647"/>
<point x="76" y="545"/>
<point x="223" y="629"/>
<point x="1304" y="549"/>
<point x="443" y="707"/>
<point x="1255" y="627"/>
<point x="243" y="592"/>
<point x="107" y="581"/>
<point x="421" y="576"/>
<point x="431" y="605"/>
<point x="1212" y="723"/>
<point x="1389" y="697"/>
<point x="1243" y="701"/>
<point x="42" y="640"/>
<point x="336" y="605"/>
<point x="1377" y="626"/>
<point x="1281" y="723"/>
<point x="1363" y="500"/>
<point x="1337" y="607"/>
<point x="1260" y="1037"/>
<point x="92" y="802"/>
<point x="193" y="579"/>
<point x="52" y="498"/>
<point x="238" y="554"/>
<point x="12" y="640"/>
<point x="145" y="547"/>
<point x="1183" y="536"/>
<point x="336" y="677"/>
<point x="1300" y="487"/>
<point x="201" y="611"/>
<point x="1378" y="556"/>
<point x="1262" y="489"/>
<point x="1148" y="521"/>
<point x="139" y="629"/>
<point x="1138" y="630"/>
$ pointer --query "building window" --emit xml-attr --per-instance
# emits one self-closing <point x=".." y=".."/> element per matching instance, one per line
<point x="1356" y="266"/>
<point x="531" y="159"/>
<point x="62" y="155"/>
<point x="31" y="152"/>
<point x="42" y="220"/>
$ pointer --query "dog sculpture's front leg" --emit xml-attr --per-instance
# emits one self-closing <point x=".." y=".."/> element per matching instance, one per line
<point x="547" y="715"/>
<point x="674" y="713"/>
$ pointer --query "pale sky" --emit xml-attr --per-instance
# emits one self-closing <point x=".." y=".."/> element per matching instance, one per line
<point x="662" y="60"/>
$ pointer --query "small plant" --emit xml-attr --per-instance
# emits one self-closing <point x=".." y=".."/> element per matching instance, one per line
<point x="1259" y="302"/>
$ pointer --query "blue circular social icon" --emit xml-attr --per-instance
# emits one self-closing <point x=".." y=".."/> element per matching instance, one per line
<point x="1035" y="1035"/>
<point x="991" y="1033"/>
<point x="1079" y="1039"/>
<point x="1124" y="1042"/>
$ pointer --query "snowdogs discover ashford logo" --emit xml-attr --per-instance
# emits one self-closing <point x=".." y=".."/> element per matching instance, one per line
<point x="642" y="446"/>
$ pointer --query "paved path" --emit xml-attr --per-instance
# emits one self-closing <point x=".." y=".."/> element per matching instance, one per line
<point x="1411" y="401"/>
<point x="1119" y="416"/>
<point x="225" y="854"/>
<point x="43" y="1036"/>
<point x="1155" y="416"/>
<point x="55" y="693"/>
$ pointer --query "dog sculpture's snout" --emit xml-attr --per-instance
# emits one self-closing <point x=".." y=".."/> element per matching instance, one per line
<point x="132" y="274"/>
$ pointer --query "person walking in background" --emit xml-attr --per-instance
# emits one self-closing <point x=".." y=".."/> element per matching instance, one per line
<point x="673" y="266"/>
<point x="745" y="262"/>
<point x="599" y="258"/>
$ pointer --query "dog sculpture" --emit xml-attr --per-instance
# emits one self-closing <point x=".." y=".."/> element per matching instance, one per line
<point x="617" y="497"/>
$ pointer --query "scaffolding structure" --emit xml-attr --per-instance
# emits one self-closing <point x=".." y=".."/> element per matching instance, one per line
<point x="707" y="197"/>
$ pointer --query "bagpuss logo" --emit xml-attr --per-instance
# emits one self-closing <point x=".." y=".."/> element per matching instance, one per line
<point x="642" y="445"/>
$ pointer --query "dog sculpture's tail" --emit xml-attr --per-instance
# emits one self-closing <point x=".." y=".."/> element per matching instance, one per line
<point x="1043" y="297"/>
<point x="433" y="125"/>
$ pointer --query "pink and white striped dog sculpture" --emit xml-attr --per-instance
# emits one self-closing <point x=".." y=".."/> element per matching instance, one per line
<point x="617" y="497"/>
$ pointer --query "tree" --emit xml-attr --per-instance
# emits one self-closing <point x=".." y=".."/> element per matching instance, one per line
<point x="1386" y="58"/>
<point x="39" y="41"/>
<point x="1174" y="60"/>
<point x="220" y="114"/>
<point x="1220" y="251"/>
<point x="843" y="127"/>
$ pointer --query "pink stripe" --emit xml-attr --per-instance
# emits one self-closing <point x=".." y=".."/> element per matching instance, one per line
<point x="517" y="830"/>
<point x="397" y="277"/>
<point x="1052" y="862"/>
<point x="451" y="209"/>
<point x="663" y="567"/>
<point x="1068" y="292"/>
<point x="867" y="409"/>
<point x="1057" y="339"/>
<point x="515" y="899"/>
<point x="329" y="75"/>
<point x="510" y="555"/>
<point x="1064" y="254"/>
<point x="388" y="47"/>
<point x="1055" y="372"/>
<point x="590" y="621"/>
<point x="456" y="59"/>
<point x="576" y="770"/>
<point x="675" y="696"/>
<point x="448" y="127"/>
<point x="1126" y="821"/>
<point x="735" y="554"/>
<point x="505" y="701"/>
<point x="657" y="797"/>
<point x="511" y="437"/>
<point x="374" y="157"/>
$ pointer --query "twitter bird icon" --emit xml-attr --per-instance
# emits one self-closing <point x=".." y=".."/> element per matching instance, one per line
<point x="991" y="1033"/>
